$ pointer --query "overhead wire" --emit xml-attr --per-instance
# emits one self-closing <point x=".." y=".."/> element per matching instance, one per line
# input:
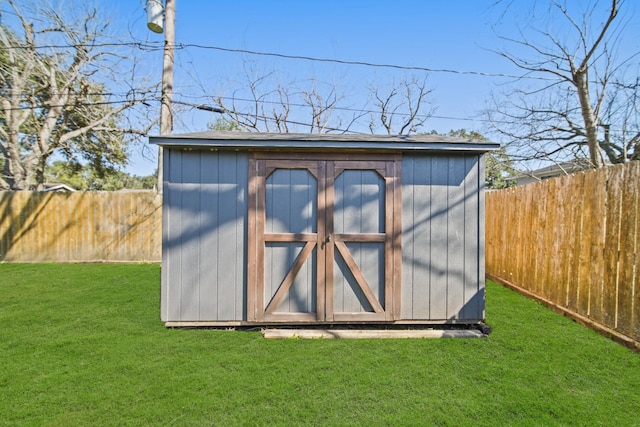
<point x="154" y="46"/>
<point x="360" y="63"/>
<point x="79" y="104"/>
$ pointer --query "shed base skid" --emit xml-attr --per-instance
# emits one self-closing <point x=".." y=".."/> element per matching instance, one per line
<point x="365" y="330"/>
<point x="369" y="333"/>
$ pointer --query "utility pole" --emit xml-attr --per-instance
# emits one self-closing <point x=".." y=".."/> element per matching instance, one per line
<point x="166" y="115"/>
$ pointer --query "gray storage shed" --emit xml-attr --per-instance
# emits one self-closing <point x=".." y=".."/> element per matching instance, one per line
<point x="263" y="228"/>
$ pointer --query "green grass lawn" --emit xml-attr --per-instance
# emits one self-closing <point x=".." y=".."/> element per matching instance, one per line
<point x="83" y="345"/>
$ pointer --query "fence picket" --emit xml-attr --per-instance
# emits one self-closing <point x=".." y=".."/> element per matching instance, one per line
<point x="574" y="219"/>
<point x="614" y="198"/>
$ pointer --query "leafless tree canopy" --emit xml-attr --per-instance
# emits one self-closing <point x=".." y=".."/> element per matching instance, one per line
<point x="53" y="97"/>
<point x="403" y="108"/>
<point x="263" y="103"/>
<point x="584" y="103"/>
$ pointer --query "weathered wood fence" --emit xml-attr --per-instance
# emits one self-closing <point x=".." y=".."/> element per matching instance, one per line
<point x="573" y="243"/>
<point x="82" y="226"/>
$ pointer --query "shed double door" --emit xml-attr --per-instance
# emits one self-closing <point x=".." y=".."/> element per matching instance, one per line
<point x="324" y="238"/>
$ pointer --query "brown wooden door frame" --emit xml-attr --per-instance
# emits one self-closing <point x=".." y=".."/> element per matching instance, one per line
<point x="325" y="167"/>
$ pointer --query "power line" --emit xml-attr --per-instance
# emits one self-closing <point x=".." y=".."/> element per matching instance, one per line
<point x="362" y="63"/>
<point x="150" y="46"/>
<point x="154" y="46"/>
<point x="80" y="104"/>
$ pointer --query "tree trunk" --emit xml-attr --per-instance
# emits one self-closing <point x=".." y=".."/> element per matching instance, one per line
<point x="15" y="172"/>
<point x="590" y="121"/>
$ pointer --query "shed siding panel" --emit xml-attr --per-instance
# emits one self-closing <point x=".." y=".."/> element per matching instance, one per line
<point x="438" y="245"/>
<point x="164" y="280"/>
<point x="240" y="229"/>
<point x="416" y="210"/>
<point x="190" y="238"/>
<point x="209" y="235"/>
<point x="172" y="224"/>
<point x="204" y="253"/>
<point x="440" y="253"/>
<point x="456" y="243"/>
<point x="473" y="299"/>
<point x="408" y="241"/>
<point x="230" y="226"/>
<point x="479" y="297"/>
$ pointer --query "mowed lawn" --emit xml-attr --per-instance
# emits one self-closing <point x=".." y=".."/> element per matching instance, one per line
<point x="82" y="345"/>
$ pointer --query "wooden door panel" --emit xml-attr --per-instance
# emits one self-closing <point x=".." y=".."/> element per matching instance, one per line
<point x="358" y="285"/>
<point x="359" y="202"/>
<point x="290" y="273"/>
<point x="291" y="201"/>
<point x="288" y="284"/>
<point x="325" y="245"/>
<point x="360" y="233"/>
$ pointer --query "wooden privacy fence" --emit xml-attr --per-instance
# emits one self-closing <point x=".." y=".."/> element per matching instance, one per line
<point x="573" y="242"/>
<point x="82" y="226"/>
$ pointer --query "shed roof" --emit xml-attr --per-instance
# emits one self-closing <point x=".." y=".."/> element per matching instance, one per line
<point x="308" y="141"/>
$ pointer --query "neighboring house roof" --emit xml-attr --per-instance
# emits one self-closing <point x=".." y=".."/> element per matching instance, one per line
<point x="58" y="187"/>
<point x="560" y="169"/>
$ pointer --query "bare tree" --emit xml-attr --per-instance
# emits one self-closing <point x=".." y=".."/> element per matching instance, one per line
<point x="51" y="100"/>
<point x="321" y="106"/>
<point x="574" y="108"/>
<point x="264" y="103"/>
<point x="400" y="109"/>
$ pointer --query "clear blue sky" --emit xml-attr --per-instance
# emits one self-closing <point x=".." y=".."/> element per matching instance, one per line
<point x="441" y="35"/>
